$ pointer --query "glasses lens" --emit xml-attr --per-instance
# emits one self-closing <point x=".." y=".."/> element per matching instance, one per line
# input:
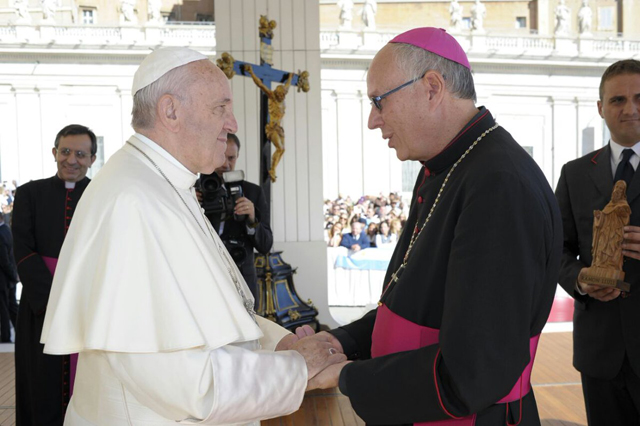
<point x="65" y="152"/>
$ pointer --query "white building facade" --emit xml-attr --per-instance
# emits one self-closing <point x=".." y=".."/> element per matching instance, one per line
<point x="542" y="89"/>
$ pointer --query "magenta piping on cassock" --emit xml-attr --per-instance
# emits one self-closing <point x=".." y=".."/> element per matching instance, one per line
<point x="51" y="263"/>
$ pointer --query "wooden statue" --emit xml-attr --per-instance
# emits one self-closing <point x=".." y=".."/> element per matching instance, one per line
<point x="606" y="246"/>
<point x="276" y="107"/>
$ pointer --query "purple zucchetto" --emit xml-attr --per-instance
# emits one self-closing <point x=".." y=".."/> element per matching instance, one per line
<point x="434" y="40"/>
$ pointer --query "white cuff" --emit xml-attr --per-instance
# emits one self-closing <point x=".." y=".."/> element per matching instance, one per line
<point x="256" y="385"/>
<point x="273" y="333"/>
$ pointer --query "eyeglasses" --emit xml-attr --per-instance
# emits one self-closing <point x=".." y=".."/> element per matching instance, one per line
<point x="80" y="155"/>
<point x="376" y="99"/>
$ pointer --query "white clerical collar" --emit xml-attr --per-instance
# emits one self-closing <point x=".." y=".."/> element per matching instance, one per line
<point x="616" y="154"/>
<point x="177" y="173"/>
<point x="160" y="150"/>
<point x="69" y="185"/>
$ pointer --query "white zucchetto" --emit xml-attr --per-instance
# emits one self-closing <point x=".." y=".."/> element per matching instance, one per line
<point x="160" y="62"/>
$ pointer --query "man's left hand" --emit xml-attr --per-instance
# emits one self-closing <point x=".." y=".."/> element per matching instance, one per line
<point x="287" y="341"/>
<point x="245" y="206"/>
<point x="631" y="243"/>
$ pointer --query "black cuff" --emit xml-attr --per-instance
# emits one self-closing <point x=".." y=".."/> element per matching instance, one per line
<point x="349" y="345"/>
<point x="342" y="381"/>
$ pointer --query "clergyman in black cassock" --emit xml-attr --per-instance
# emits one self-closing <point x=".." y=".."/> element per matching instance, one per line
<point x="472" y="279"/>
<point x="8" y="281"/>
<point x="42" y="213"/>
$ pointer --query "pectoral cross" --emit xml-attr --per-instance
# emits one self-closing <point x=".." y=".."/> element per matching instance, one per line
<point x="272" y="106"/>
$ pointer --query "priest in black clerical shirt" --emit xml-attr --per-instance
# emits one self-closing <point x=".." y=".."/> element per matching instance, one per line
<point x="42" y="213"/>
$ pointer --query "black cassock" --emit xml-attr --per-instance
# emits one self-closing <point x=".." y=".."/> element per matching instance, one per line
<point x="483" y="272"/>
<point x="42" y="214"/>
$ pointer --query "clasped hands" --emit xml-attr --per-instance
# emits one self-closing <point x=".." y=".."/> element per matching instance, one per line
<point x="322" y="352"/>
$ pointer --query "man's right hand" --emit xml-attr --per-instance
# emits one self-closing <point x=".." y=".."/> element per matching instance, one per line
<point x="319" y="352"/>
<point x="601" y="293"/>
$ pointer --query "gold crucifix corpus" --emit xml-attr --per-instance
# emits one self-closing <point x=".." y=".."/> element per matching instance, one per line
<point x="276" y="107"/>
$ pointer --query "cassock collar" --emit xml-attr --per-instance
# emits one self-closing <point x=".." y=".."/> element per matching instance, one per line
<point x="178" y="174"/>
<point x="480" y="122"/>
<point x="61" y="183"/>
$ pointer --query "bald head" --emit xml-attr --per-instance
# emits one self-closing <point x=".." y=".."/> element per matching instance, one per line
<point x="420" y="100"/>
<point x="414" y="61"/>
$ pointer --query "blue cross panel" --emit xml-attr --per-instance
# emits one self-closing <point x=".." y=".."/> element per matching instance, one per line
<point x="265" y="73"/>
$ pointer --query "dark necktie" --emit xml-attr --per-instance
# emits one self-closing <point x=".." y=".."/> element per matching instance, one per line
<point x="625" y="169"/>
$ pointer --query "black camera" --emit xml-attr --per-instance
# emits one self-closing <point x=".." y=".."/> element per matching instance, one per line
<point x="236" y="250"/>
<point x="219" y="196"/>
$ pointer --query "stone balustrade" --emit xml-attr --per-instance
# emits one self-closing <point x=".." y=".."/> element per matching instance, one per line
<point x="356" y="43"/>
<point x="485" y="45"/>
<point x="199" y="37"/>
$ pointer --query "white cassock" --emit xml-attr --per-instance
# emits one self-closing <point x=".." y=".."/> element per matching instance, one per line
<point x="143" y="292"/>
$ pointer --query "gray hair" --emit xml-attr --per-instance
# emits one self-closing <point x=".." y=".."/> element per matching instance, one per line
<point x="415" y="61"/>
<point x="174" y="82"/>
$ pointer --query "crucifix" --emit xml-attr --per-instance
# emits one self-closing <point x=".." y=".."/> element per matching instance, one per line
<point x="272" y="105"/>
<point x="277" y="297"/>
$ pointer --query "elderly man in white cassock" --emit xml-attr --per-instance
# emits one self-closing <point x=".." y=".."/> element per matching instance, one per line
<point x="145" y="291"/>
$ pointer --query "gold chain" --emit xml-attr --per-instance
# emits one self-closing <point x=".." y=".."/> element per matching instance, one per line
<point x="417" y="231"/>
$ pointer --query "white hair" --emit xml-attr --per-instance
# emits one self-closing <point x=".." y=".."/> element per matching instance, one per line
<point x="174" y="82"/>
<point x="415" y="61"/>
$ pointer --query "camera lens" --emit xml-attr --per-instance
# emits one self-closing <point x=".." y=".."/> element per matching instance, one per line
<point x="238" y="255"/>
<point x="236" y="250"/>
<point x="210" y="183"/>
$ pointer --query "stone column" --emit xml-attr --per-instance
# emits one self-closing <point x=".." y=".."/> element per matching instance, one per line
<point x="544" y="26"/>
<point x="29" y="134"/>
<point x="565" y="138"/>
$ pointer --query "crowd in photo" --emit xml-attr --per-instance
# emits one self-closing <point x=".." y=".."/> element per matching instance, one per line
<point x="370" y="221"/>
<point x="7" y="191"/>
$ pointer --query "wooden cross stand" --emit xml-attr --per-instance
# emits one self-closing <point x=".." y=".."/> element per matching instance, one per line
<point x="272" y="105"/>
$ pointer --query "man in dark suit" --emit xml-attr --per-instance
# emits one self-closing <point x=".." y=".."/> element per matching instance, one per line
<point x="606" y="336"/>
<point x="8" y="281"/>
<point x="254" y="232"/>
<point x="356" y="240"/>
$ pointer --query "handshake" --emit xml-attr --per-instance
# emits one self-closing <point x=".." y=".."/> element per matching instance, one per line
<point x="322" y="352"/>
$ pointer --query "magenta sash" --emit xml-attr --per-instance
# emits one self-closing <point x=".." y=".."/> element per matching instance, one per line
<point x="51" y="263"/>
<point x="392" y="333"/>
